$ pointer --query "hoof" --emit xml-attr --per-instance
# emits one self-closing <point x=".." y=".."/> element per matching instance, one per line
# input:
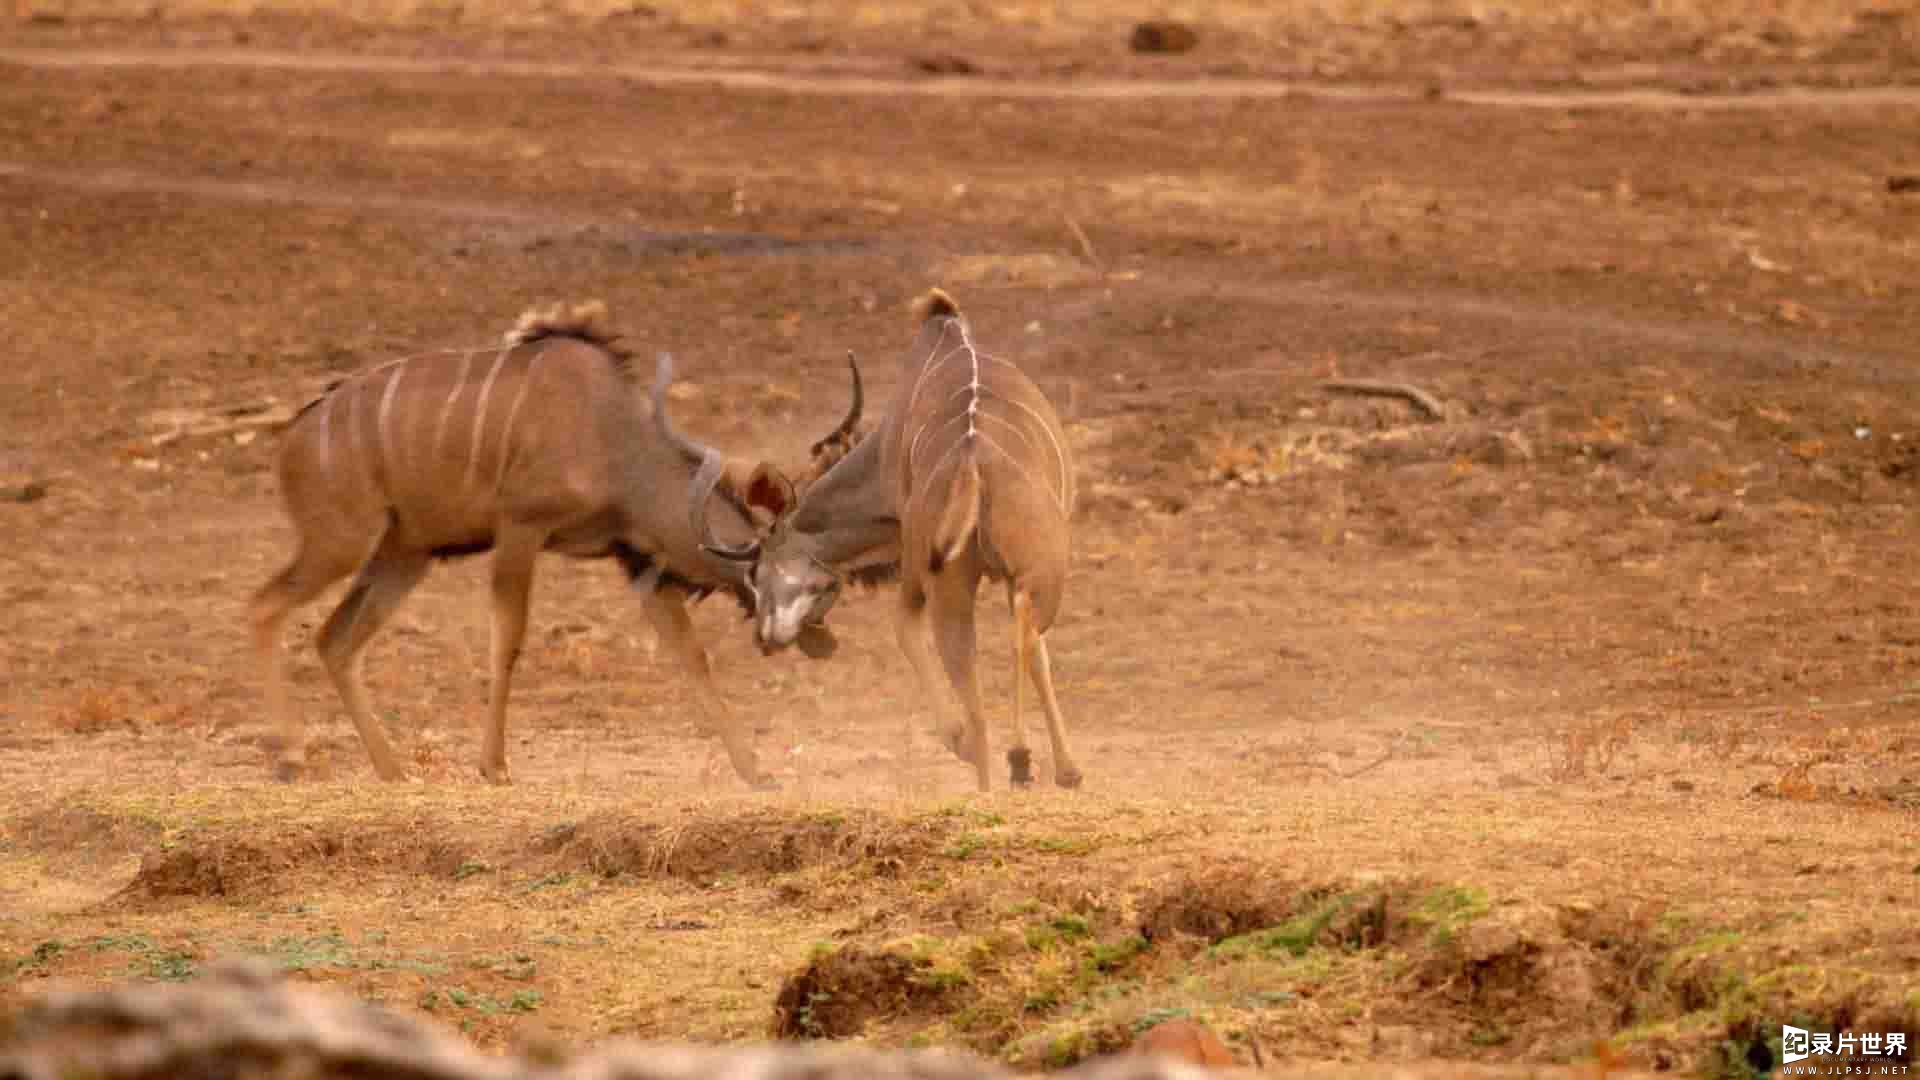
<point x="764" y="783"/>
<point x="1068" y="777"/>
<point x="500" y="776"/>
<point x="1020" y="766"/>
<point x="286" y="772"/>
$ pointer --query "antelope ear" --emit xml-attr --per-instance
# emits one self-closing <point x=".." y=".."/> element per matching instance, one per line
<point x="770" y="490"/>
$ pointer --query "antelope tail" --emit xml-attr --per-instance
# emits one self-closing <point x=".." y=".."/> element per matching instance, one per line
<point x="959" y="514"/>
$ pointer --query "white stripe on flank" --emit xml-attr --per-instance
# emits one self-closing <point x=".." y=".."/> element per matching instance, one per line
<point x="942" y="463"/>
<point x="506" y="433"/>
<point x="985" y="439"/>
<point x="385" y="424"/>
<point x="446" y="409"/>
<point x="1011" y="426"/>
<point x="921" y="380"/>
<point x="480" y="420"/>
<point x="353" y="426"/>
<point x="913" y="451"/>
<point x="1059" y="452"/>
<point x="326" y="432"/>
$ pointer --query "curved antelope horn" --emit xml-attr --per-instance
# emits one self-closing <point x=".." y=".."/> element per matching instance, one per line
<point x="701" y="493"/>
<point x="847" y="426"/>
<point x="662" y="378"/>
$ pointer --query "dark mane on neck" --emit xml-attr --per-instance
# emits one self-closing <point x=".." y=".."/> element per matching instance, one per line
<point x="588" y="322"/>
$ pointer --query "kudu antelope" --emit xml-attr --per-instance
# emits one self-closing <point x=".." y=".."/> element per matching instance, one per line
<point x="541" y="444"/>
<point x="968" y="476"/>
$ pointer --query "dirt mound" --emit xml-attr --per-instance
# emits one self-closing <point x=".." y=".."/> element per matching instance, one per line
<point x="1216" y="902"/>
<point x="760" y="843"/>
<point x="252" y="864"/>
<point x="1223" y="901"/>
<point x="73" y="829"/>
<point x="839" y="992"/>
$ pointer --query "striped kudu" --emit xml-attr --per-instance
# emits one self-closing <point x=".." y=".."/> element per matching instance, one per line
<point x="540" y="444"/>
<point x="968" y="476"/>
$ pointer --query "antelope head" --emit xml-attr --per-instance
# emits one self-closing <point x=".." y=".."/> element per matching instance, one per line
<point x="792" y="573"/>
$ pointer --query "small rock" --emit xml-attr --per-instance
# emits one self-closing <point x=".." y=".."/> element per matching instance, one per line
<point x="1903" y="184"/>
<point x="31" y="491"/>
<point x="1163" y="36"/>
<point x="945" y="64"/>
<point x="1682" y="785"/>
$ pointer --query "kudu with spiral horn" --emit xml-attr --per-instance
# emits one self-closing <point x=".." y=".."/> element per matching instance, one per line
<point x="968" y="477"/>
<point x="539" y="445"/>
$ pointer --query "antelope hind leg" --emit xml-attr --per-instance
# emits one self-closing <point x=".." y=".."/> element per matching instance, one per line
<point x="375" y="595"/>
<point x="1019" y="755"/>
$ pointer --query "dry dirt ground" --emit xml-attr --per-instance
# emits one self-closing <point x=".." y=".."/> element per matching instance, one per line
<point x="1583" y="712"/>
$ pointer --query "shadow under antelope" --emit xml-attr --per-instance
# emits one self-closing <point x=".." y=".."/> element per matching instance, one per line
<point x="968" y="477"/>
<point x="539" y="445"/>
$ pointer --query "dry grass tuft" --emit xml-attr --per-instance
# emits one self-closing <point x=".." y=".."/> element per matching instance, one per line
<point x="1590" y="747"/>
<point x="759" y="843"/>
<point x="94" y="712"/>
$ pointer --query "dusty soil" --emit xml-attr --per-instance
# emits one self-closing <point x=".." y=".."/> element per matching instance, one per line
<point x="1582" y="712"/>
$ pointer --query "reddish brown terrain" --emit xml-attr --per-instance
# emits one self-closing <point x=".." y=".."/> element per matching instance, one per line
<point x="1582" y="711"/>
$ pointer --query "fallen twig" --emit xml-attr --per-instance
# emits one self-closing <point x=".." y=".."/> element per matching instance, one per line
<point x="1086" y="245"/>
<point x="1407" y="392"/>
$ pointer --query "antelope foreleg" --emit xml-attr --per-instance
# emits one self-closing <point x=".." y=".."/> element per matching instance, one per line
<point x="514" y="553"/>
<point x="375" y="595"/>
<point x="913" y="631"/>
<point x="294" y="586"/>
<point x="1065" y="772"/>
<point x="668" y="612"/>
<point x="954" y="632"/>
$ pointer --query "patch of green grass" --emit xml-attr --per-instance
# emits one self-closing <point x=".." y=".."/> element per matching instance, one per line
<point x="1155" y="1017"/>
<point x="943" y="978"/>
<point x="137" y="943"/>
<point x="518" y="966"/>
<point x="1065" y="1050"/>
<point x="309" y="953"/>
<point x="1446" y="911"/>
<point x="1111" y="956"/>
<point x="1071" y="927"/>
<point x="1066" y="845"/>
<point x="170" y="965"/>
<point x="1493" y="1034"/>
<point x="1706" y="946"/>
<point x="557" y="879"/>
<point x="470" y="868"/>
<point x="1291" y="938"/>
<point x="987" y="818"/>
<point x="964" y="845"/>
<point x="459" y="997"/>
<point x="418" y="967"/>
<point x="42" y="954"/>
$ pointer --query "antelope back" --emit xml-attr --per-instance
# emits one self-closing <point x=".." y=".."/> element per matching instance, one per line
<point x="964" y="403"/>
<point x="444" y="443"/>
